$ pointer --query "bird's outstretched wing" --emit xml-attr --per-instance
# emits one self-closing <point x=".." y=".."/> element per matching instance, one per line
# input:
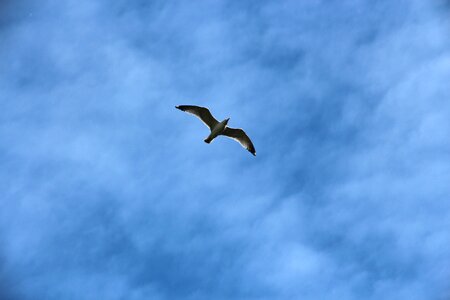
<point x="200" y="112"/>
<point x="240" y="136"/>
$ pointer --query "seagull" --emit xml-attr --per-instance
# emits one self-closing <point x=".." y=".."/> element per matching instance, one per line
<point x="218" y="128"/>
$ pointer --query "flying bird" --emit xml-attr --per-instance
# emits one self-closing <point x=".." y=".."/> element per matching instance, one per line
<point x="219" y="128"/>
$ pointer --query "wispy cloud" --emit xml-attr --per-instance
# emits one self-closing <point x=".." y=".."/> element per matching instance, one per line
<point x="109" y="193"/>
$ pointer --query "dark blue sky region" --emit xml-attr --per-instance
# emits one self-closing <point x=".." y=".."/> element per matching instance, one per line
<point x="109" y="192"/>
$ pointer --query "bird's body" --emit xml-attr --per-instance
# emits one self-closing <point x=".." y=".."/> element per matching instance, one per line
<point x="216" y="131"/>
<point x="218" y="128"/>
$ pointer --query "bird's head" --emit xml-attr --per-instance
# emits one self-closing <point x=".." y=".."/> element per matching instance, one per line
<point x="226" y="121"/>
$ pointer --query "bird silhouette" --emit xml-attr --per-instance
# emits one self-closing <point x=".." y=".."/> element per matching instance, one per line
<point x="218" y="128"/>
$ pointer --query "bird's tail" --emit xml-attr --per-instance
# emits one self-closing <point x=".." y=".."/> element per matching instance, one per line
<point x="208" y="140"/>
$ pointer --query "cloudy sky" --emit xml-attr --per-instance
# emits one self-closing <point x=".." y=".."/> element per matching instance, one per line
<point x="108" y="192"/>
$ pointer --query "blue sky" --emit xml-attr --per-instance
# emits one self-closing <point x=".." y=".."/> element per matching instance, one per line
<point x="109" y="192"/>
